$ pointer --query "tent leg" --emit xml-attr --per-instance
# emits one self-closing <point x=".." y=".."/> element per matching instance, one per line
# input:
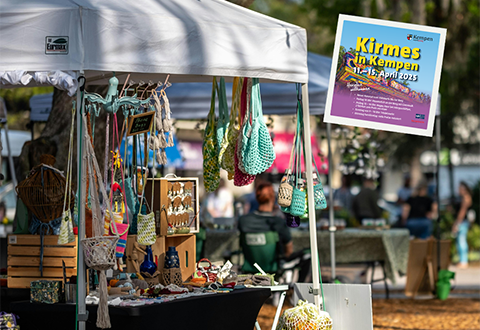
<point x="81" y="184"/>
<point x="311" y="203"/>
<point x="332" y="227"/>
<point x="438" y="147"/>
<point x="10" y="158"/>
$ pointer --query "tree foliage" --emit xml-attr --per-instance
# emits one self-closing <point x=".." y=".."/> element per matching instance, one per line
<point x="459" y="86"/>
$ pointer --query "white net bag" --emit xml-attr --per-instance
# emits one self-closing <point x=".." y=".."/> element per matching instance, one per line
<point x="305" y="316"/>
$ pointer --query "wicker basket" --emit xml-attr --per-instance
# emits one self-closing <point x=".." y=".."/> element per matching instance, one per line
<point x="43" y="191"/>
<point x="99" y="252"/>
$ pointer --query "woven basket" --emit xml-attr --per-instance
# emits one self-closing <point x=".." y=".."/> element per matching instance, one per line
<point x="43" y="191"/>
<point x="172" y="276"/>
<point x="99" y="252"/>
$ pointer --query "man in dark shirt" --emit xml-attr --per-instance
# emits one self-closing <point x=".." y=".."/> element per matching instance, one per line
<point x="263" y="220"/>
<point x="365" y="203"/>
<point x="418" y="212"/>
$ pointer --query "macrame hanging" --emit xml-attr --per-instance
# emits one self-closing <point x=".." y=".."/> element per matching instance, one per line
<point x="164" y="128"/>
<point x="99" y="250"/>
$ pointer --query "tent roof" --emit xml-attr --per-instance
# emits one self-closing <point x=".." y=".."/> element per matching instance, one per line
<point x="192" y="100"/>
<point x="189" y="39"/>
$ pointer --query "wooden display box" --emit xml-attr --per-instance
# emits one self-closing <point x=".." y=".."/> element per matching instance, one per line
<point x="184" y="244"/>
<point x="161" y="202"/>
<point x="24" y="259"/>
<point x="422" y="269"/>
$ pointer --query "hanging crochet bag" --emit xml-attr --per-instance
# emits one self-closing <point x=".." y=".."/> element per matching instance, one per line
<point x="257" y="147"/>
<point x="285" y="189"/>
<point x="66" y="228"/>
<point x="297" y="206"/>
<point x="319" y="195"/>
<point x="223" y="119"/>
<point x="230" y="141"/>
<point x="305" y="316"/>
<point x="211" y="167"/>
<point x="240" y="177"/>
<point x="227" y="150"/>
<point x="146" y="233"/>
<point x="113" y="224"/>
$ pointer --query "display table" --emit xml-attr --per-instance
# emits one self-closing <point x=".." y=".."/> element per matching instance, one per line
<point x="389" y="247"/>
<point x="234" y="310"/>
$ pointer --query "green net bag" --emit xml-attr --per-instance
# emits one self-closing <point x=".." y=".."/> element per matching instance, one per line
<point x="257" y="147"/>
<point x="305" y="316"/>
<point x="211" y="167"/>
<point x="223" y="119"/>
<point x="227" y="150"/>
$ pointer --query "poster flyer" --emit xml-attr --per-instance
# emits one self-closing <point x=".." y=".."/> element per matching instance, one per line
<point x="385" y="75"/>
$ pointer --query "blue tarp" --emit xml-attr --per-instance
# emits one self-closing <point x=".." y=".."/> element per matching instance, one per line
<point x="174" y="158"/>
<point x="192" y="100"/>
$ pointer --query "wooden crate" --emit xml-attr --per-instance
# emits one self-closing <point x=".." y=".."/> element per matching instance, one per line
<point x="184" y="244"/>
<point x="160" y="200"/>
<point x="24" y="259"/>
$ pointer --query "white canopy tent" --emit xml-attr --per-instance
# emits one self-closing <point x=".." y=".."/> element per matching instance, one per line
<point x="192" y="40"/>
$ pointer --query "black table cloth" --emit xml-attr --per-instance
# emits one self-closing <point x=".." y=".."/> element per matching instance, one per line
<point x="234" y="310"/>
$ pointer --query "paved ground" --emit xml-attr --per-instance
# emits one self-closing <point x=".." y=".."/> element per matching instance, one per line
<point x="461" y="311"/>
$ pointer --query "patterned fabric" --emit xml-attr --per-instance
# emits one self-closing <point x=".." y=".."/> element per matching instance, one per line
<point x="146" y="229"/>
<point x="121" y="230"/>
<point x="227" y="151"/>
<point x="257" y="147"/>
<point x="47" y="292"/>
<point x="8" y="321"/>
<point x="118" y="220"/>
<point x="211" y="167"/>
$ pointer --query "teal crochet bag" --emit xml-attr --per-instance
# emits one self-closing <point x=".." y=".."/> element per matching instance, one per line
<point x="297" y="206"/>
<point x="257" y="147"/>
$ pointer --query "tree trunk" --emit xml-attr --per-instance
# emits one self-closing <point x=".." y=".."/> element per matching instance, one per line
<point x="55" y="137"/>
<point x="419" y="15"/>
<point x="416" y="168"/>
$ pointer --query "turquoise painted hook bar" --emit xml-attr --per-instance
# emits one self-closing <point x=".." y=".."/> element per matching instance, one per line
<point x="111" y="103"/>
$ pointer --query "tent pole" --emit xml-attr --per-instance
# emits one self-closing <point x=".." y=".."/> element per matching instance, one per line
<point x="82" y="315"/>
<point x="331" y="226"/>
<point x="10" y="158"/>
<point x="438" y="142"/>
<point x="311" y="202"/>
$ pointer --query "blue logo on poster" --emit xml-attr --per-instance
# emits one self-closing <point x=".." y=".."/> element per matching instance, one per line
<point x="419" y="116"/>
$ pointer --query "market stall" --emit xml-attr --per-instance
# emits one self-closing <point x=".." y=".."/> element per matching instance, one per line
<point x="186" y="41"/>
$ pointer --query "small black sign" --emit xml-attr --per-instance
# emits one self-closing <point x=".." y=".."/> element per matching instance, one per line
<point x="141" y="123"/>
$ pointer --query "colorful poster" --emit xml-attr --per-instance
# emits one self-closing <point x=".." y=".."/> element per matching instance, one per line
<point x="385" y="75"/>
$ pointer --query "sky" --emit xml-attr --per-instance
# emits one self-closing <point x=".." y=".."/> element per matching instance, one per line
<point x="397" y="36"/>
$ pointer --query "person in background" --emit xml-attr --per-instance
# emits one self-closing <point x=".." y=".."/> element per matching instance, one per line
<point x="343" y="195"/>
<point x="405" y="192"/>
<point x="250" y="203"/>
<point x="220" y="202"/>
<point x="461" y="225"/>
<point x="365" y="205"/>
<point x="418" y="212"/>
<point x="263" y="220"/>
